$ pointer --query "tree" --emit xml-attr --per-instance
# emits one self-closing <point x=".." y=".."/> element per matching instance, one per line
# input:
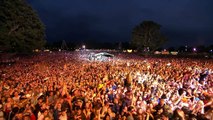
<point x="20" y="27"/>
<point x="183" y="49"/>
<point x="171" y="49"/>
<point x="147" y="36"/>
<point x="201" y="48"/>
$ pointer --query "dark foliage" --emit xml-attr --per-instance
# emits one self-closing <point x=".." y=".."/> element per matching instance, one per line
<point x="20" y="27"/>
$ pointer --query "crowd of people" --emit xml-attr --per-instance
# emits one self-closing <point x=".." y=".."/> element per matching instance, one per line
<point x="60" y="86"/>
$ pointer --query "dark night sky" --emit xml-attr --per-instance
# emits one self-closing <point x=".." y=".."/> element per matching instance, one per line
<point x="184" y="22"/>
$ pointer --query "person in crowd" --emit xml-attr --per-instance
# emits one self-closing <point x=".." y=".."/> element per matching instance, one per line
<point x="61" y="86"/>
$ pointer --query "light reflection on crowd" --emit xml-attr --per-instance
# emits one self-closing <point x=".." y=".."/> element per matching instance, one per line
<point x="59" y="86"/>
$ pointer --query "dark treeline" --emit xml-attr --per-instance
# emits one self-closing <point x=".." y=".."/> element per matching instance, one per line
<point x="90" y="44"/>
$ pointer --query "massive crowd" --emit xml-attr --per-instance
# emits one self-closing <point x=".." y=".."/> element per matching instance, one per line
<point x="60" y="86"/>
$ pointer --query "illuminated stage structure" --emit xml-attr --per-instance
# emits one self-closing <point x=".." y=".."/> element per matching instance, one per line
<point x="103" y="56"/>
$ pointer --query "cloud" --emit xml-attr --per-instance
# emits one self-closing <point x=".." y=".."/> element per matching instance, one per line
<point x="113" y="20"/>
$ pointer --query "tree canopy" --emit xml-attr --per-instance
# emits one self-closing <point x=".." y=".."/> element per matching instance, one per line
<point x="147" y="36"/>
<point x="21" y="29"/>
